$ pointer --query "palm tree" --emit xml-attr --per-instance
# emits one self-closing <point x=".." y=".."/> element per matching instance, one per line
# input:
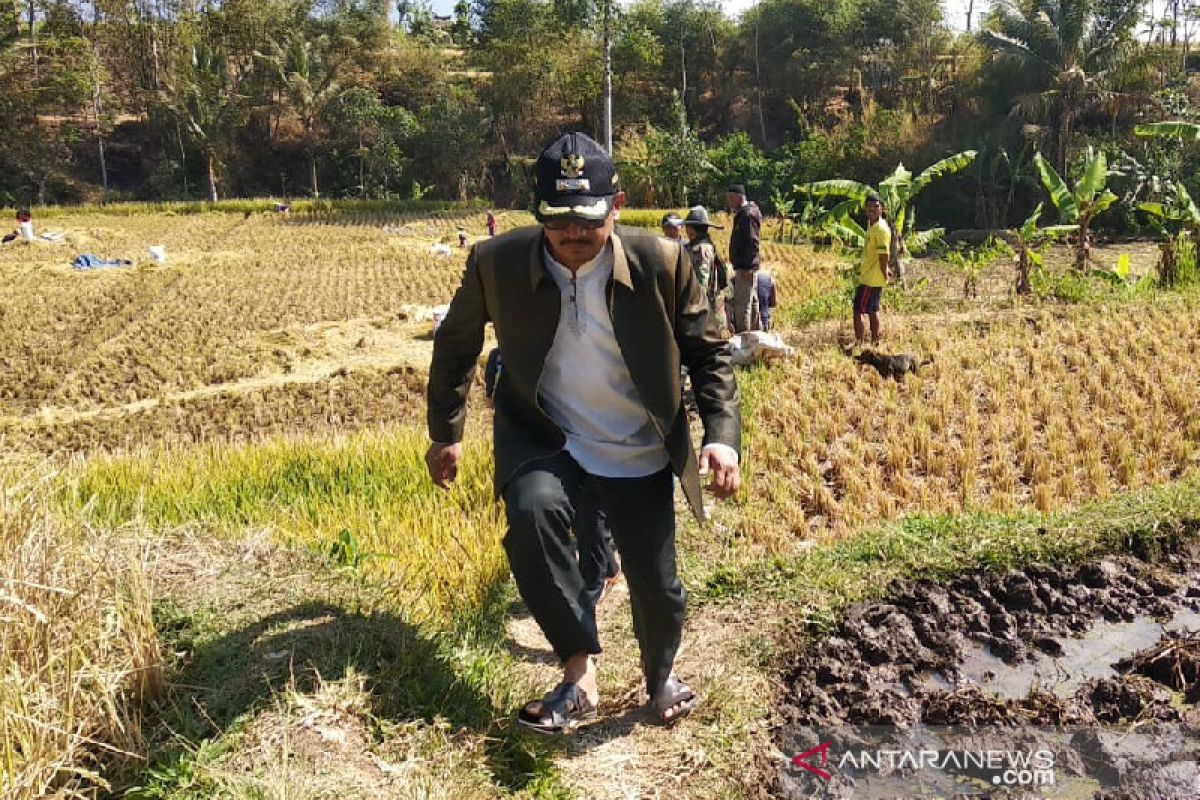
<point x="205" y="96"/>
<point x="1066" y="50"/>
<point x="308" y="71"/>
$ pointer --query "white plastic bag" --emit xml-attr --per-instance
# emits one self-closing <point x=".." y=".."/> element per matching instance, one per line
<point x="158" y="253"/>
<point x="753" y="346"/>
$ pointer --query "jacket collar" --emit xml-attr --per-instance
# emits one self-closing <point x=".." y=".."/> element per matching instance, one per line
<point x="537" y="268"/>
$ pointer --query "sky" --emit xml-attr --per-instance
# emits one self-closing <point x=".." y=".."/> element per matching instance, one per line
<point x="956" y="10"/>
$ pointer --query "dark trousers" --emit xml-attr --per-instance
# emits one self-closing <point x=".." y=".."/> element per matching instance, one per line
<point x="594" y="540"/>
<point x="543" y="502"/>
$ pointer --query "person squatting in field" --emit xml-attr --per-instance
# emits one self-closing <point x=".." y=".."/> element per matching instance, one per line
<point x="593" y="323"/>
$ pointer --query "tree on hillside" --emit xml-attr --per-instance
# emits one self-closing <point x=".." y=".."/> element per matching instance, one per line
<point x="308" y="70"/>
<point x="1064" y="52"/>
<point x="204" y="94"/>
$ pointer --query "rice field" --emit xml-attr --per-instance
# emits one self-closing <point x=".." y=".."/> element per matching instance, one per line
<point x="260" y="396"/>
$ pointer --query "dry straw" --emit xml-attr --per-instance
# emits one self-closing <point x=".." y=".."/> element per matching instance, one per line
<point x="78" y="650"/>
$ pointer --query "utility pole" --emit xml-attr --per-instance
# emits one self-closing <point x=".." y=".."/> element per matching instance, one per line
<point x="608" y="76"/>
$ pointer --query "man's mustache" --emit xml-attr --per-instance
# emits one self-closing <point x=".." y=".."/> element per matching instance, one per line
<point x="566" y="242"/>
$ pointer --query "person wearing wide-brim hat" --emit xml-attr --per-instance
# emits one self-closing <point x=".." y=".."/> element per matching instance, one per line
<point x="697" y="217"/>
<point x="708" y="265"/>
<point x="593" y="321"/>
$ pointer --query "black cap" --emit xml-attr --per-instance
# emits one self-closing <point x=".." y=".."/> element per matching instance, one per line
<point x="575" y="178"/>
<point x="872" y="197"/>
<point x="737" y="188"/>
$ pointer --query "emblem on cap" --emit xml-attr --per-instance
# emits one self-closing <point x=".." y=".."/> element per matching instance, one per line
<point x="572" y="166"/>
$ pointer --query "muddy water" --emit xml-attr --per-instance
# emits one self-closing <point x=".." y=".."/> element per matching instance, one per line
<point x="1098" y="665"/>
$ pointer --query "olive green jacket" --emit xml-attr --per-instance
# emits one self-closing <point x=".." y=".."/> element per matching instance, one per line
<point x="658" y="312"/>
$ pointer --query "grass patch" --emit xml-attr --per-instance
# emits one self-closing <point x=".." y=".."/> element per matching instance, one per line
<point x="364" y="502"/>
<point x="293" y="677"/>
<point x="818" y="584"/>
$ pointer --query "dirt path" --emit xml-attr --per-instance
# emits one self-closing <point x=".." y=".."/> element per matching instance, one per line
<point x="719" y="751"/>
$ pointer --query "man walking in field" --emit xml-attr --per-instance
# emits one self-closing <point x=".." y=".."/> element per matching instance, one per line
<point x="873" y="272"/>
<point x="743" y="254"/>
<point x="593" y="323"/>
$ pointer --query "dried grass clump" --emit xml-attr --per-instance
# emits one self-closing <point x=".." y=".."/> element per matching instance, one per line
<point x="78" y="650"/>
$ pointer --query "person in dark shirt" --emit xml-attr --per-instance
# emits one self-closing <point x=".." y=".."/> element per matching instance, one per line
<point x="672" y="227"/>
<point x="744" y="255"/>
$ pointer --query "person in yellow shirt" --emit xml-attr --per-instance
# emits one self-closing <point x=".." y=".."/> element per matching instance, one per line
<point x="874" y="272"/>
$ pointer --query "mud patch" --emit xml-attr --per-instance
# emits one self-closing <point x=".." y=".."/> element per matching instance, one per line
<point x="1099" y="662"/>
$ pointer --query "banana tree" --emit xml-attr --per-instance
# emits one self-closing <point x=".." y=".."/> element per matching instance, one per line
<point x="897" y="192"/>
<point x="1177" y="220"/>
<point x="1079" y="206"/>
<point x="1029" y="241"/>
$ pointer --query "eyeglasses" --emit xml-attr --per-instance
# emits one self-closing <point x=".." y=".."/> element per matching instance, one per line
<point x="563" y="223"/>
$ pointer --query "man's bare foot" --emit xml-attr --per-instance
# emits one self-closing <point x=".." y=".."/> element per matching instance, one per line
<point x="580" y="669"/>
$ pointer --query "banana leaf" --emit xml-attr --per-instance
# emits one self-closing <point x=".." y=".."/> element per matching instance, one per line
<point x="1169" y="128"/>
<point x="842" y="213"/>
<point x="1102" y="202"/>
<point x="1095" y="175"/>
<point x="1054" y="231"/>
<point x="1187" y="207"/>
<point x="1156" y="209"/>
<point x="947" y="166"/>
<point x="898" y="182"/>
<point x="1029" y="227"/>
<point x="919" y="241"/>
<point x="1060" y="195"/>
<point x="835" y="188"/>
<point x="847" y="232"/>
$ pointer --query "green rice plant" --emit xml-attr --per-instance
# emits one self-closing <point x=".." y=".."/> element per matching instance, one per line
<point x="648" y="218"/>
<point x="365" y="500"/>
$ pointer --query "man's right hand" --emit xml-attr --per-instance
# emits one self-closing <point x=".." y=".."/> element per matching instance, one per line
<point x="442" y="462"/>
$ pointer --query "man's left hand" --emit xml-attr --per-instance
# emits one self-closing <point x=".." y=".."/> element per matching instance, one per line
<point x="726" y="474"/>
